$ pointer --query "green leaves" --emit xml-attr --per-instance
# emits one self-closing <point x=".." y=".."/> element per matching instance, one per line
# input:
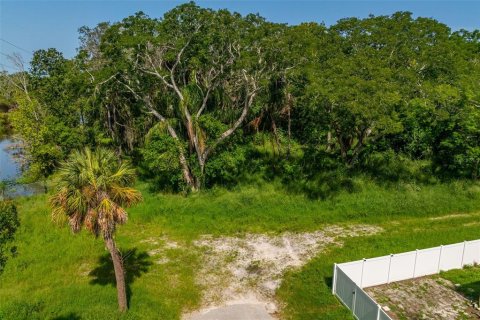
<point x="9" y="224"/>
<point x="160" y="159"/>
<point x="183" y="94"/>
<point x="92" y="187"/>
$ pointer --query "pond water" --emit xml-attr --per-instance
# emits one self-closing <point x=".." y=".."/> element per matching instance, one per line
<point x="10" y="171"/>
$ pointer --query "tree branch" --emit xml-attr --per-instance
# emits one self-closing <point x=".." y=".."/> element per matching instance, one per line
<point x="204" y="102"/>
<point x="248" y="102"/>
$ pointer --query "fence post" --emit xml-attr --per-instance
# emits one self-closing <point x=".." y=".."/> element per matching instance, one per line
<point x="354" y="300"/>
<point x="439" y="258"/>
<point x="463" y="253"/>
<point x="363" y="267"/>
<point x="415" y="263"/>
<point x="389" y="267"/>
<point x="378" y="311"/>
<point x="334" y="282"/>
<point x="478" y="251"/>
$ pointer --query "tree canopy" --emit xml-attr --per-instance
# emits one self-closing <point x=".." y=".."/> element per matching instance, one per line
<point x="200" y="97"/>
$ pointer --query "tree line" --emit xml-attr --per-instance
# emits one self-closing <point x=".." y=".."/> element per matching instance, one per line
<point x="201" y="97"/>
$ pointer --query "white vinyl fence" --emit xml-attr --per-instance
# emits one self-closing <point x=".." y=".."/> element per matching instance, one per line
<point x="350" y="278"/>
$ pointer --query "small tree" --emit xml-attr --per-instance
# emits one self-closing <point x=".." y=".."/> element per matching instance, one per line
<point x="93" y="188"/>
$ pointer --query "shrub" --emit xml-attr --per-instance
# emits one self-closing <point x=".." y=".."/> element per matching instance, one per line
<point x="8" y="225"/>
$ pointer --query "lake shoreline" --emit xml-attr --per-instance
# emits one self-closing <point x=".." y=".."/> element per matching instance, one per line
<point x="11" y="169"/>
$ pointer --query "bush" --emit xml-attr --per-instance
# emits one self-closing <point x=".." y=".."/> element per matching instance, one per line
<point x="160" y="161"/>
<point x="226" y="167"/>
<point x="391" y="167"/>
<point x="8" y="226"/>
<point x="4" y="125"/>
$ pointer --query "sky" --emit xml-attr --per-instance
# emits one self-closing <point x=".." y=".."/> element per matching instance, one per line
<point x="26" y="26"/>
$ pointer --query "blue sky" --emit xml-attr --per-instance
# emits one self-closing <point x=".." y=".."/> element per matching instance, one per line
<point x="32" y="25"/>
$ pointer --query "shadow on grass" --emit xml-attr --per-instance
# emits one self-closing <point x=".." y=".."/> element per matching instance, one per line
<point x="70" y="316"/>
<point x="135" y="264"/>
<point x="328" y="281"/>
<point x="470" y="290"/>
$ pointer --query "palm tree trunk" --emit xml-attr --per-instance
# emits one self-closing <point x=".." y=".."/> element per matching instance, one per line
<point x="119" y="274"/>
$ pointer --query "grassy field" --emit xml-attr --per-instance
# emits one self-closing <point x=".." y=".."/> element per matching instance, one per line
<point x="468" y="280"/>
<point x="57" y="275"/>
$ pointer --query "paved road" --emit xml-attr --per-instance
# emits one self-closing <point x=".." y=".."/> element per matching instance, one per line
<point x="245" y="311"/>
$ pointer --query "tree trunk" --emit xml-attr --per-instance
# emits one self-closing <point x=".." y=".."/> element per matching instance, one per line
<point x="200" y="180"/>
<point x="289" y="124"/>
<point x="187" y="175"/>
<point x="45" y="188"/>
<point x="119" y="274"/>
<point x="329" y="141"/>
<point x="275" y="137"/>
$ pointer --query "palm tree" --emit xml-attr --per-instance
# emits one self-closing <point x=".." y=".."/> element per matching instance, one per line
<point x="93" y="187"/>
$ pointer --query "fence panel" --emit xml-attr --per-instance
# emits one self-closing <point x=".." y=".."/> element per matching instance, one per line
<point x="353" y="270"/>
<point x="344" y="288"/>
<point x="427" y="262"/>
<point x="472" y="253"/>
<point x="375" y="271"/>
<point x="403" y="266"/>
<point x="384" y="316"/>
<point x="351" y="277"/>
<point x="365" y="307"/>
<point x="452" y="257"/>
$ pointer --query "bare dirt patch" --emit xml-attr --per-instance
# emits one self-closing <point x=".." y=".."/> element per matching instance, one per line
<point x="452" y="216"/>
<point x="84" y="269"/>
<point x="423" y="298"/>
<point x="471" y="224"/>
<point x="248" y="270"/>
<point x="161" y="246"/>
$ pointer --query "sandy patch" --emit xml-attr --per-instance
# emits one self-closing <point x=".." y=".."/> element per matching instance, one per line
<point x="151" y="240"/>
<point x="451" y="216"/>
<point x="471" y="224"/>
<point x="84" y="269"/>
<point x="162" y="245"/>
<point x="423" y="298"/>
<point x="249" y="270"/>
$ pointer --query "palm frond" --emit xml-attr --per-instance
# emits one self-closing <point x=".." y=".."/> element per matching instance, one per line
<point x="125" y="195"/>
<point x="92" y="188"/>
<point x="75" y="221"/>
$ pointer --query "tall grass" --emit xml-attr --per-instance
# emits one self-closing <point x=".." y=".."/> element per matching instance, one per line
<point x="58" y="275"/>
<point x="52" y="276"/>
<point x="269" y="208"/>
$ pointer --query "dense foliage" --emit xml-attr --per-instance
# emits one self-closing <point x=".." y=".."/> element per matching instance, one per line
<point x="202" y="97"/>
<point x="8" y="226"/>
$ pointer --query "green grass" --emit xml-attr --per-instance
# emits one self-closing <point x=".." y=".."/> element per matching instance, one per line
<point x="267" y="208"/>
<point x="467" y="279"/>
<point x="49" y="277"/>
<point x="52" y="277"/>
<point x="307" y="292"/>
